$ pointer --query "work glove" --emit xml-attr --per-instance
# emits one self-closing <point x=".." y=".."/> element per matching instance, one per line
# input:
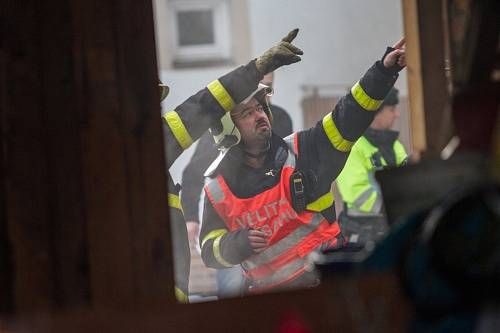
<point x="394" y="58"/>
<point x="333" y="244"/>
<point x="284" y="53"/>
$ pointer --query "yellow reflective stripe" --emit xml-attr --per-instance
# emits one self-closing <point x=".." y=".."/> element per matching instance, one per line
<point x="221" y="95"/>
<point x="178" y="129"/>
<point x="181" y="296"/>
<point x="334" y="135"/>
<point x="174" y="201"/>
<point x="321" y="203"/>
<point x="362" y="98"/>
<point x="213" y="234"/>
<point x="217" y="253"/>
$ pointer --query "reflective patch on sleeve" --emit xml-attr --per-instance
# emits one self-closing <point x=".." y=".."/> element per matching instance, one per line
<point x="181" y="296"/>
<point x="217" y="254"/>
<point x="321" y="203"/>
<point x="174" y="201"/>
<point x="213" y="234"/>
<point x="333" y="134"/>
<point x="221" y="95"/>
<point x="363" y="99"/>
<point x="178" y="129"/>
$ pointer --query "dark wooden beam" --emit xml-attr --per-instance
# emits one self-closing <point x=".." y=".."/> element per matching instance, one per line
<point x="83" y="174"/>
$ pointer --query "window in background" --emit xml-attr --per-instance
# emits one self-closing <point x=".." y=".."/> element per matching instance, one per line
<point x="201" y="34"/>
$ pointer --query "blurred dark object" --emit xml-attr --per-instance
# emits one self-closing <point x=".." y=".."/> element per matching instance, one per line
<point x="447" y="258"/>
<point x="444" y="214"/>
<point x="473" y="41"/>
<point x="474" y="71"/>
<point x="416" y="187"/>
<point x="463" y="235"/>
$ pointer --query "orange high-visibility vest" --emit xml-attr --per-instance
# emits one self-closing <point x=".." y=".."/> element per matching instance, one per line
<point x="292" y="236"/>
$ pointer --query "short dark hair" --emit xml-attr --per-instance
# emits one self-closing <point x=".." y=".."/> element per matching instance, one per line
<point x="392" y="98"/>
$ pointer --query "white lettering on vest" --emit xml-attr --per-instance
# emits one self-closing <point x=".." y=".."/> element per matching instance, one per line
<point x="280" y="212"/>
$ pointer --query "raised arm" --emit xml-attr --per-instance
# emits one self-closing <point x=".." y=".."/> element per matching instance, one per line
<point x="325" y="147"/>
<point x="201" y="111"/>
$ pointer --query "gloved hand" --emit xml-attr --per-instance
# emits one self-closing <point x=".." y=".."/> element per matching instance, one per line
<point x="394" y="59"/>
<point x="284" y="53"/>
<point x="333" y="244"/>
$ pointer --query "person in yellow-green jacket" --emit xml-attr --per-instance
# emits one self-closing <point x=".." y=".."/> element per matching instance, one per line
<point x="362" y="219"/>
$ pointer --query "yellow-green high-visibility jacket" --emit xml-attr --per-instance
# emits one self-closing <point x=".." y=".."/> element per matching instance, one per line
<point x="357" y="184"/>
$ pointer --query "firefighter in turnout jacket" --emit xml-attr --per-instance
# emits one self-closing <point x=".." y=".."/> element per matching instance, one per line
<point x="269" y="206"/>
<point x="204" y="110"/>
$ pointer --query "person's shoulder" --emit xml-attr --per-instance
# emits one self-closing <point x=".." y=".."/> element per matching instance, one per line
<point x="276" y="109"/>
<point x="230" y="164"/>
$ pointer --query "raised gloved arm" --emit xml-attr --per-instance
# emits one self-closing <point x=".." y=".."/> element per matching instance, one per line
<point x="394" y="59"/>
<point x="284" y="53"/>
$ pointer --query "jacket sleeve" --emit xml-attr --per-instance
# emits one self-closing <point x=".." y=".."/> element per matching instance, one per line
<point x="192" y="176"/>
<point x="180" y="243"/>
<point x="356" y="184"/>
<point x="194" y="116"/>
<point x="401" y="155"/>
<point x="325" y="147"/>
<point x="221" y="248"/>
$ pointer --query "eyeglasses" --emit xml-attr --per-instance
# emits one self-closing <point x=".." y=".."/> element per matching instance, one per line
<point x="249" y="111"/>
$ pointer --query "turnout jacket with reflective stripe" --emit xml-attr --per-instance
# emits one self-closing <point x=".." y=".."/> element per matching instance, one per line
<point x="188" y="121"/>
<point x="186" y="124"/>
<point x="180" y="243"/>
<point x="321" y="150"/>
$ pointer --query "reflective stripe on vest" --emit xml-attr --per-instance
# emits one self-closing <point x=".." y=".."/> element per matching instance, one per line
<point x="363" y="99"/>
<point x="360" y="201"/>
<point x="178" y="129"/>
<point x="284" y="244"/>
<point x="280" y="277"/>
<point x="293" y="143"/>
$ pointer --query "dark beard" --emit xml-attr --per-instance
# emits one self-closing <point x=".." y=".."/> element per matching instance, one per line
<point x="264" y="136"/>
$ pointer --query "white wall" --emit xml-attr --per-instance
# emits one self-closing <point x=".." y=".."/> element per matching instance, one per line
<point x="340" y="40"/>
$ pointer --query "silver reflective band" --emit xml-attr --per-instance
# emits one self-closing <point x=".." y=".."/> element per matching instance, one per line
<point x="282" y="274"/>
<point x="364" y="197"/>
<point x="215" y="190"/>
<point x="284" y="244"/>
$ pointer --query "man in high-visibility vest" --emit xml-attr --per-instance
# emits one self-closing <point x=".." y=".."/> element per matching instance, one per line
<point x="269" y="206"/>
<point x="229" y="281"/>
<point x="362" y="219"/>
<point x="193" y="117"/>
